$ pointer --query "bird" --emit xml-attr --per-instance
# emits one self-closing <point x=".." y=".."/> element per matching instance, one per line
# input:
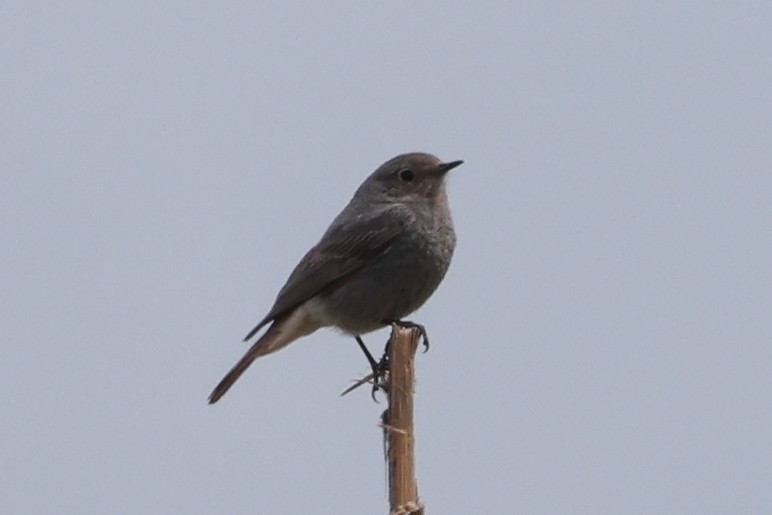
<point x="379" y="260"/>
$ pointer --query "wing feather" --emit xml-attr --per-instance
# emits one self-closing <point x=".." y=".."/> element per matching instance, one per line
<point x="342" y="251"/>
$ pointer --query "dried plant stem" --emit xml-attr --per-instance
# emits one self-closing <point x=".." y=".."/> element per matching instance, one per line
<point x="398" y="422"/>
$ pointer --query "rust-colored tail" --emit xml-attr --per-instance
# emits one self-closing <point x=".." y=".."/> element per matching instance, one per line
<point x="273" y="339"/>
<point x="235" y="372"/>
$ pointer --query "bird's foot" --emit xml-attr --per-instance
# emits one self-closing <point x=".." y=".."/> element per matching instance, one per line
<point x="379" y="380"/>
<point x="378" y="376"/>
<point x="407" y="324"/>
<point x="380" y="369"/>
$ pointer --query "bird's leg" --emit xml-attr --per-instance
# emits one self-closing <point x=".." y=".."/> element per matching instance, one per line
<point x="370" y="358"/>
<point x="379" y="368"/>
<point x="407" y="324"/>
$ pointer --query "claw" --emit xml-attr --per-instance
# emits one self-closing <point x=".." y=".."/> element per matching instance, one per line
<point x="379" y="371"/>
<point x="378" y="382"/>
<point x="407" y="324"/>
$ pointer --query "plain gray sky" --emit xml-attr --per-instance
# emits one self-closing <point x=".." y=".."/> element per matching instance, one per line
<point x="601" y="345"/>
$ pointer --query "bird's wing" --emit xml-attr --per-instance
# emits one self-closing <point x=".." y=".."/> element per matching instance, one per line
<point x="342" y="251"/>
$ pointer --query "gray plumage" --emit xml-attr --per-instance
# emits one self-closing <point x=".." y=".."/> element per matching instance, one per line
<point x="380" y="260"/>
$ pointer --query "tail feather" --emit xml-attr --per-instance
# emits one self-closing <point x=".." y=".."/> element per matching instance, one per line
<point x="235" y="373"/>
<point x="282" y="332"/>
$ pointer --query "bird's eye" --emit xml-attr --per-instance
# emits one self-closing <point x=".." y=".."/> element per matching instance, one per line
<point x="406" y="175"/>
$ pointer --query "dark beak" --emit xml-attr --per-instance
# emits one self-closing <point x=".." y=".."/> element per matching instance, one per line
<point x="446" y="167"/>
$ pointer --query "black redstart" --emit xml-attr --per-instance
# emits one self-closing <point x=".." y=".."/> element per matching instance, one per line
<point x="379" y="260"/>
